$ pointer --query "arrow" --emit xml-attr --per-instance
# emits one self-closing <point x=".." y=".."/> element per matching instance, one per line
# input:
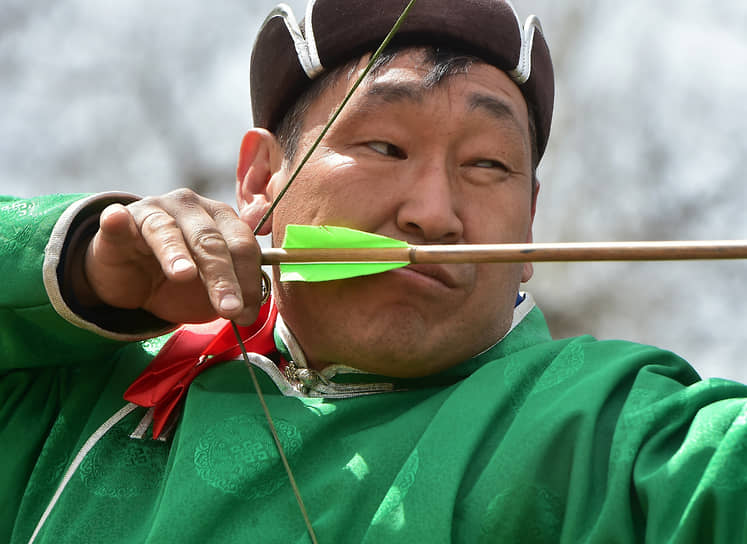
<point x="324" y="253"/>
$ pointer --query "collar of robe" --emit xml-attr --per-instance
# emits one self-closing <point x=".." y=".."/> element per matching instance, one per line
<point x="272" y="347"/>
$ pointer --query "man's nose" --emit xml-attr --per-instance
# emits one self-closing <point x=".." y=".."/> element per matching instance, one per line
<point x="430" y="206"/>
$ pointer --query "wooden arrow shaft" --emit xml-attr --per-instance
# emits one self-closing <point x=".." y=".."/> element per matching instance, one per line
<point x="503" y="253"/>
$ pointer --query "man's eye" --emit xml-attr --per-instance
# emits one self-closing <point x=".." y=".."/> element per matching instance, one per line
<point x="489" y="163"/>
<point x="387" y="149"/>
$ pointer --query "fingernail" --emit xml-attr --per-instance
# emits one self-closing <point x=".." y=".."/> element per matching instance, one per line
<point x="181" y="265"/>
<point x="229" y="303"/>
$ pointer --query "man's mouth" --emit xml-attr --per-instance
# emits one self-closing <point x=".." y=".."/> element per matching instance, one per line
<point x="435" y="272"/>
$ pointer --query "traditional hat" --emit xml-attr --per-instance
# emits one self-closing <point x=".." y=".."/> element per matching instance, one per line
<point x="286" y="58"/>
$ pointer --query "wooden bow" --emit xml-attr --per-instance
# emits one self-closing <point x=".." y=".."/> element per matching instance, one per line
<point x="264" y="219"/>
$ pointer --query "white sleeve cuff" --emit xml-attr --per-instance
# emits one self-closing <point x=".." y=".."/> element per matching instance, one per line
<point x="114" y="323"/>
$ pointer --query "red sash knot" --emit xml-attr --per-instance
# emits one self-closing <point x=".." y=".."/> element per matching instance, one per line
<point x="189" y="351"/>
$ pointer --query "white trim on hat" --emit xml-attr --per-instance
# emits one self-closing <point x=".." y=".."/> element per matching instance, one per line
<point x="311" y="41"/>
<point x="306" y="50"/>
<point x="523" y="69"/>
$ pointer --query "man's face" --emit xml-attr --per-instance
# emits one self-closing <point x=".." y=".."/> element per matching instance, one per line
<point x="440" y="165"/>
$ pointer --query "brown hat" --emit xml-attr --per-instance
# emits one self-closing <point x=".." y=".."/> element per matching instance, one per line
<point x="286" y="58"/>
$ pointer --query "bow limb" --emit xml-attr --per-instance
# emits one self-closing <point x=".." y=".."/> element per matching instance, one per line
<point x="264" y="219"/>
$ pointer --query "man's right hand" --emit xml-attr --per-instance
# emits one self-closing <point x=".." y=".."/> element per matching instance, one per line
<point x="182" y="257"/>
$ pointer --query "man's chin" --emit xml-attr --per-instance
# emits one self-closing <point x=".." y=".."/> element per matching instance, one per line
<point x="401" y="352"/>
<point x="392" y="332"/>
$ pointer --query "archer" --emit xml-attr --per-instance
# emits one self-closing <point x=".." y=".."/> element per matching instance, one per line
<point x="426" y="403"/>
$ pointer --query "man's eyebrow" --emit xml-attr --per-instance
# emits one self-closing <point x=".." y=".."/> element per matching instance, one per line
<point x="395" y="92"/>
<point x="499" y="109"/>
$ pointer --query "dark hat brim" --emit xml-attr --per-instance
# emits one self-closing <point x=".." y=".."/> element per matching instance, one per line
<point x="341" y="30"/>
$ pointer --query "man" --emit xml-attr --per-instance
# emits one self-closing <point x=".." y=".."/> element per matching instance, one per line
<point x="422" y="404"/>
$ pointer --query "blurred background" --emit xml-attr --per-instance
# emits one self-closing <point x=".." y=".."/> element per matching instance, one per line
<point x="648" y="140"/>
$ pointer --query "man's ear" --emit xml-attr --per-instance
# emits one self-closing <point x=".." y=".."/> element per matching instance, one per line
<point x="260" y="157"/>
<point x="528" y="269"/>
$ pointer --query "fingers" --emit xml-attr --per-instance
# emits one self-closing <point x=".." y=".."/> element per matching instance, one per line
<point x="244" y="262"/>
<point x="163" y="237"/>
<point x="192" y="236"/>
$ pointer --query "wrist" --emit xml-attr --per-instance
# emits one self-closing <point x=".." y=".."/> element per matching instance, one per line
<point x="75" y="282"/>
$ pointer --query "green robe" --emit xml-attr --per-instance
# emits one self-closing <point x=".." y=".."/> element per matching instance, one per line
<point x="535" y="440"/>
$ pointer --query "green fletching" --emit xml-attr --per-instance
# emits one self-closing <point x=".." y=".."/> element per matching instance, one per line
<point x="308" y="236"/>
<point x="313" y="272"/>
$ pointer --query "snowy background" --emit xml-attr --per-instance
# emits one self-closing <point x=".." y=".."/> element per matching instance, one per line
<point x="648" y="141"/>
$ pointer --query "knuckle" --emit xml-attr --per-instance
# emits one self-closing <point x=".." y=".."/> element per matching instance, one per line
<point x="145" y="202"/>
<point x="221" y="284"/>
<point x="184" y="195"/>
<point x="157" y="222"/>
<point x="244" y="247"/>
<point x="208" y="241"/>
<point x="223" y="210"/>
<point x="172" y="246"/>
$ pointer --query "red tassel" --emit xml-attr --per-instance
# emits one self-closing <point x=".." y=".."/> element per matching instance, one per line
<point x="191" y="350"/>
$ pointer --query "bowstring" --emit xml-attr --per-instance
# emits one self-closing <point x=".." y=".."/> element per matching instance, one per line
<point x="291" y="478"/>
<point x="275" y="437"/>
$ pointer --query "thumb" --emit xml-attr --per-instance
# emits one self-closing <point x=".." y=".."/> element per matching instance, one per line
<point x="118" y="232"/>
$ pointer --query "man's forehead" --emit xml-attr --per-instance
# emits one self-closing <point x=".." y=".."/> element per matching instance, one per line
<point x="408" y="77"/>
